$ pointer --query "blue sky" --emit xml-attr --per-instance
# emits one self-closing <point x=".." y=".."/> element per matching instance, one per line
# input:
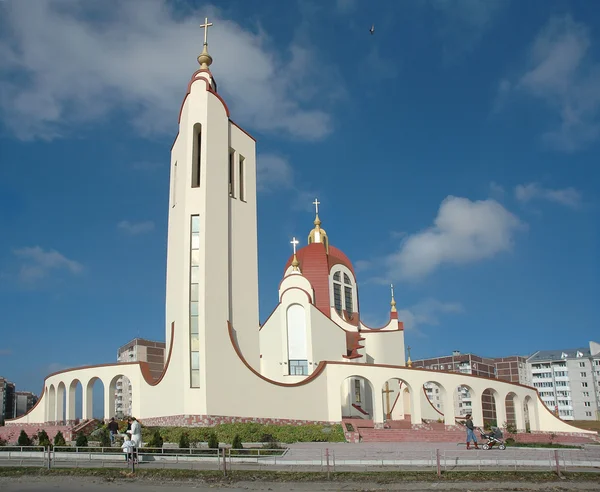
<point x="454" y="152"/>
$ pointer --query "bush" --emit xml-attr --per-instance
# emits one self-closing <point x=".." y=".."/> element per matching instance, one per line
<point x="2" y="442"/>
<point x="43" y="439"/>
<point x="510" y="427"/>
<point x="156" y="441"/>
<point x="59" y="439"/>
<point x="81" y="441"/>
<point x="237" y="442"/>
<point x="184" y="441"/>
<point x="24" y="439"/>
<point x="213" y="442"/>
<point x="510" y="441"/>
<point x="104" y="438"/>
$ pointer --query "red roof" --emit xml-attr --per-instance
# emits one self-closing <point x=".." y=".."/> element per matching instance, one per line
<point x="315" y="265"/>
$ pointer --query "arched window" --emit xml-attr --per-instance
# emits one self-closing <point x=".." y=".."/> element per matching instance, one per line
<point x="345" y="302"/>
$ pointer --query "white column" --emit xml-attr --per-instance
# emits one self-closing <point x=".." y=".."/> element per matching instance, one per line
<point x="476" y="408"/>
<point x="109" y="400"/>
<point x="71" y="414"/>
<point x="60" y="403"/>
<point x="449" y="413"/>
<point x="87" y="400"/>
<point x="416" y="414"/>
<point x="378" y="410"/>
<point x="500" y="409"/>
<point x="519" y="414"/>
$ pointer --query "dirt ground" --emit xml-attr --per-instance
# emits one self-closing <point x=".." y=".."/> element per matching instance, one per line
<point x="73" y="484"/>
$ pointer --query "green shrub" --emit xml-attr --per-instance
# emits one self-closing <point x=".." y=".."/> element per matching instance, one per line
<point x="510" y="427"/>
<point x="59" y="439"/>
<point x="156" y="441"/>
<point x="81" y="441"/>
<point x="2" y="442"/>
<point x="43" y="439"/>
<point x="24" y="439"/>
<point x="184" y="441"/>
<point x="104" y="438"/>
<point x="213" y="441"/>
<point x="236" y="443"/>
<point x="510" y="441"/>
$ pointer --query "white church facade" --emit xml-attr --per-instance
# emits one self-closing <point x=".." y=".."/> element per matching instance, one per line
<point x="313" y="360"/>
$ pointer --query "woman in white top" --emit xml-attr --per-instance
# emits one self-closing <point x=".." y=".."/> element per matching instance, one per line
<point x="136" y="433"/>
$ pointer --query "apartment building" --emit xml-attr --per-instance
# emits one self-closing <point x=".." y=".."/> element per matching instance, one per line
<point x="568" y="381"/>
<point x="138" y="349"/>
<point x="513" y="369"/>
<point x="23" y="402"/>
<point x="7" y="400"/>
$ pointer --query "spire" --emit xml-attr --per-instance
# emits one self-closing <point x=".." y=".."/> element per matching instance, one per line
<point x="205" y="59"/>
<point x="409" y="361"/>
<point x="393" y="303"/>
<point x="295" y="261"/>
<point x="318" y="235"/>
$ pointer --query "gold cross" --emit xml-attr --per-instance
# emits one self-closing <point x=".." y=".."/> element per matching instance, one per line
<point x="205" y="26"/>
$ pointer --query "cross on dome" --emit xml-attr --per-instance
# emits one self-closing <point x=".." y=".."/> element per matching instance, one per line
<point x="316" y="203"/>
<point x="294" y="242"/>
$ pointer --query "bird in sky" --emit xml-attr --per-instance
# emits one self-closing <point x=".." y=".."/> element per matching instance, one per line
<point x="372" y="30"/>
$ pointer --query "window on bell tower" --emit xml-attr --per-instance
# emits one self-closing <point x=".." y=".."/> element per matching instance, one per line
<point x="196" y="155"/>
<point x="232" y="173"/>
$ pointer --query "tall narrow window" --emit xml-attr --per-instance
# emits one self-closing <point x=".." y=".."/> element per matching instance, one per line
<point x="242" y="178"/>
<point x="174" y="187"/>
<point x="357" y="390"/>
<point x="197" y="156"/>
<point x="232" y="173"/>
<point x="348" y="299"/>
<point x="194" y="302"/>
<point x="337" y="297"/>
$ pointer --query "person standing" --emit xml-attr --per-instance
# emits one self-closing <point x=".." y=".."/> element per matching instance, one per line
<point x="113" y="428"/>
<point x="470" y="432"/>
<point x="136" y="434"/>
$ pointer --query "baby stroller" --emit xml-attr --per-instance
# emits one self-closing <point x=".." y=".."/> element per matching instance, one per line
<point x="494" y="437"/>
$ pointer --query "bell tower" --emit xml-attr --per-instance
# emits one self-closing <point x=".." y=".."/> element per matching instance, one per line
<point x="212" y="257"/>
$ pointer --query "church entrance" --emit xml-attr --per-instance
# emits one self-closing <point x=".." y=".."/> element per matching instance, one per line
<point x="357" y="398"/>
<point x="396" y="400"/>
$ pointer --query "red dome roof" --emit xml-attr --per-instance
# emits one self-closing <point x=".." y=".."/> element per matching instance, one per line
<point x="315" y="264"/>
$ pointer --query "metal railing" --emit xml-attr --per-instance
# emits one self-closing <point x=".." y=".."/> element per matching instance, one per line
<point x="305" y="459"/>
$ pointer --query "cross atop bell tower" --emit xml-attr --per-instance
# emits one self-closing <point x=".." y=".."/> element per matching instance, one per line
<point x="205" y="60"/>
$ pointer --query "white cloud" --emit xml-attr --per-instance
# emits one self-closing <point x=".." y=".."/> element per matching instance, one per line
<point x="136" y="228"/>
<point x="70" y="63"/>
<point x="37" y="263"/>
<point x="561" y="72"/>
<point x="569" y="197"/>
<point x="427" y="312"/>
<point x="464" y="231"/>
<point x="273" y="173"/>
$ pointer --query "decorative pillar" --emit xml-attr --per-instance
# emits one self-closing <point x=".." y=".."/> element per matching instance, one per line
<point x="500" y="404"/>
<point x="519" y="414"/>
<point x="109" y="400"/>
<point x="416" y="413"/>
<point x="449" y="413"/>
<point x="476" y="408"/>
<point x="87" y="400"/>
<point x="71" y="414"/>
<point x="60" y="404"/>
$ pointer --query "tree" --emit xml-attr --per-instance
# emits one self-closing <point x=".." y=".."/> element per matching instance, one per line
<point x="237" y="442"/>
<point x="59" y="439"/>
<point x="213" y="442"/>
<point x="24" y="439"/>
<point x="156" y="441"/>
<point x="104" y="437"/>
<point x="81" y="441"/>
<point x="184" y="441"/>
<point x="43" y="439"/>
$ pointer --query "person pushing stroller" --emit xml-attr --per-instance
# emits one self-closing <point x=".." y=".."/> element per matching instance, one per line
<point x="470" y="432"/>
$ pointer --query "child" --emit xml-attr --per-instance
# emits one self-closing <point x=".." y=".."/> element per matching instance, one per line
<point x="128" y="447"/>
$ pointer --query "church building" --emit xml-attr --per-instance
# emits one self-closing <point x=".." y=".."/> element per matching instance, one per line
<point x="313" y="360"/>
